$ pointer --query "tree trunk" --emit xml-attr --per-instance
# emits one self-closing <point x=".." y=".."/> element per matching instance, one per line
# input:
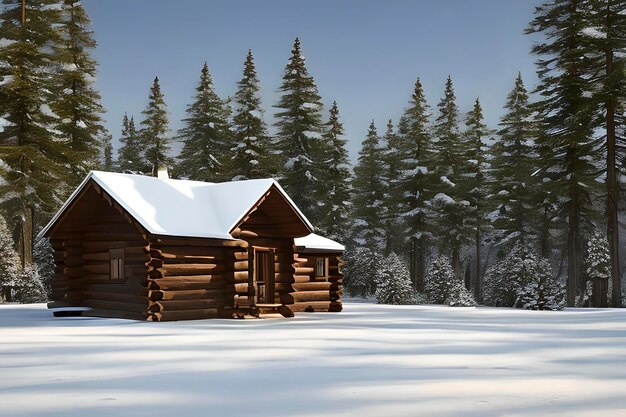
<point x="25" y="246"/>
<point x="572" y="248"/>
<point x="612" y="227"/>
<point x="478" y="282"/>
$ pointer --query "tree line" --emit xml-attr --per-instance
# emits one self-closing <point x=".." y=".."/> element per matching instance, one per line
<point x="437" y="182"/>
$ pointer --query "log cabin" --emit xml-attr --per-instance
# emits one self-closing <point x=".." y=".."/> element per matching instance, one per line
<point x="160" y="249"/>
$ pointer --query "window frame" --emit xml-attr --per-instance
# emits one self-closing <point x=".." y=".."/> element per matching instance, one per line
<point x="324" y="267"/>
<point x="117" y="265"/>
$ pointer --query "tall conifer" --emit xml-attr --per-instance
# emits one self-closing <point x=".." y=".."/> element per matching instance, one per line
<point x="33" y="155"/>
<point x="334" y="174"/>
<point x="130" y="156"/>
<point x="368" y="194"/>
<point x="155" y="130"/>
<point x="299" y="127"/>
<point x="253" y="153"/>
<point x="76" y="102"/>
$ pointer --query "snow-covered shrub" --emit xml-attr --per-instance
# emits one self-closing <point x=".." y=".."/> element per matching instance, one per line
<point x="43" y="259"/>
<point x="28" y="287"/>
<point x="597" y="266"/>
<point x="362" y="265"/>
<point x="542" y="290"/>
<point x="393" y="284"/>
<point x="443" y="287"/>
<point x="522" y="279"/>
<point x="9" y="261"/>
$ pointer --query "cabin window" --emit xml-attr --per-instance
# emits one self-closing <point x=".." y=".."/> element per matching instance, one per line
<point x="116" y="264"/>
<point x="321" y="267"/>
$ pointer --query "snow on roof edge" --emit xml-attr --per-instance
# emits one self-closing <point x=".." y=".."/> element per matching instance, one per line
<point x="314" y="241"/>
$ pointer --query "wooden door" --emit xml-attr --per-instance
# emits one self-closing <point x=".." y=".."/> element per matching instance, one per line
<point x="264" y="276"/>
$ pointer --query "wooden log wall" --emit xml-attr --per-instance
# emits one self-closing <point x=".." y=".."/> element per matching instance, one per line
<point x="193" y="278"/>
<point x="311" y="293"/>
<point x="81" y="241"/>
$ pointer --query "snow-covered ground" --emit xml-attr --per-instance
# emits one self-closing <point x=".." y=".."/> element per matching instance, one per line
<point x="369" y="360"/>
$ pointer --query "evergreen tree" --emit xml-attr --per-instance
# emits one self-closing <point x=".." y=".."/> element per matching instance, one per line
<point x="75" y="101"/>
<point x="415" y="182"/>
<point x="512" y="167"/>
<point x="43" y="261"/>
<point x="107" y="153"/>
<point x="541" y="291"/>
<point x="155" y="130"/>
<point x="130" y="156"/>
<point x="333" y="170"/>
<point x="393" y="284"/>
<point x="299" y="127"/>
<point x="33" y="155"/>
<point x="476" y="185"/>
<point x="368" y="194"/>
<point x="10" y="266"/>
<point x="598" y="269"/>
<point x="360" y="272"/>
<point x="607" y="43"/>
<point x="568" y="115"/>
<point x="444" y="287"/>
<point x="206" y="136"/>
<point x="253" y="153"/>
<point x="393" y="198"/>
<point x="450" y="203"/>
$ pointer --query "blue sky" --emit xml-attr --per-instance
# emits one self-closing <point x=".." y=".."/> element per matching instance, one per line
<point x="364" y="54"/>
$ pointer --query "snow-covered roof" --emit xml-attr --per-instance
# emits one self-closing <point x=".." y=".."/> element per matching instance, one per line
<point x="181" y="207"/>
<point x="314" y="241"/>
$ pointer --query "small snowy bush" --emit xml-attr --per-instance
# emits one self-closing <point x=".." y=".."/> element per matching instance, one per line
<point x="597" y="266"/>
<point x="362" y="265"/>
<point x="43" y="259"/>
<point x="393" y="284"/>
<point x="523" y="280"/>
<point x="443" y="287"/>
<point x="28" y="287"/>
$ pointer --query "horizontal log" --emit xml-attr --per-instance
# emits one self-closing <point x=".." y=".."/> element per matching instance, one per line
<point x="308" y="296"/>
<point x="116" y="305"/>
<point x="169" y="305"/>
<point x="113" y="236"/>
<point x="241" y="265"/>
<point x="97" y="246"/>
<point x="187" y="282"/>
<point x="240" y="276"/>
<point x="241" y="288"/>
<point x="312" y="286"/>
<point x="300" y="270"/>
<point x="190" y="294"/>
<point x="241" y="256"/>
<point x="301" y="278"/>
<point x="173" y="252"/>
<point x="185" y="269"/>
<point x="115" y="296"/>
<point x="173" y="315"/>
<point x="237" y="232"/>
<point x="117" y="314"/>
<point x="311" y="306"/>
<point x="126" y="288"/>
<point x="200" y="242"/>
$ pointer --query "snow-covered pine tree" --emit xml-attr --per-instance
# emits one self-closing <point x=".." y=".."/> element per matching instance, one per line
<point x="444" y="287"/>
<point x="393" y="199"/>
<point x="598" y="269"/>
<point x="512" y="166"/>
<point x="368" y="228"/>
<point x="393" y="284"/>
<point x="299" y="127"/>
<point x="43" y="261"/>
<point x="10" y="266"/>
<point x="28" y="287"/>
<point x="154" y="132"/>
<point x="476" y="185"/>
<point x="206" y="137"/>
<point x="253" y="153"/>
<point x="415" y="183"/>
<point x="606" y="33"/>
<point x="333" y="171"/>
<point x="451" y="208"/>
<point x="567" y="110"/>
<point x="360" y="271"/>
<point x="542" y="290"/>
<point x="75" y="100"/>
<point x="130" y="156"/>
<point x="106" y="162"/>
<point x="32" y="154"/>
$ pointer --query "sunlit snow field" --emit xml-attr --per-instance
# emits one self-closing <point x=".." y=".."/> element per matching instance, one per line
<point x="369" y="360"/>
